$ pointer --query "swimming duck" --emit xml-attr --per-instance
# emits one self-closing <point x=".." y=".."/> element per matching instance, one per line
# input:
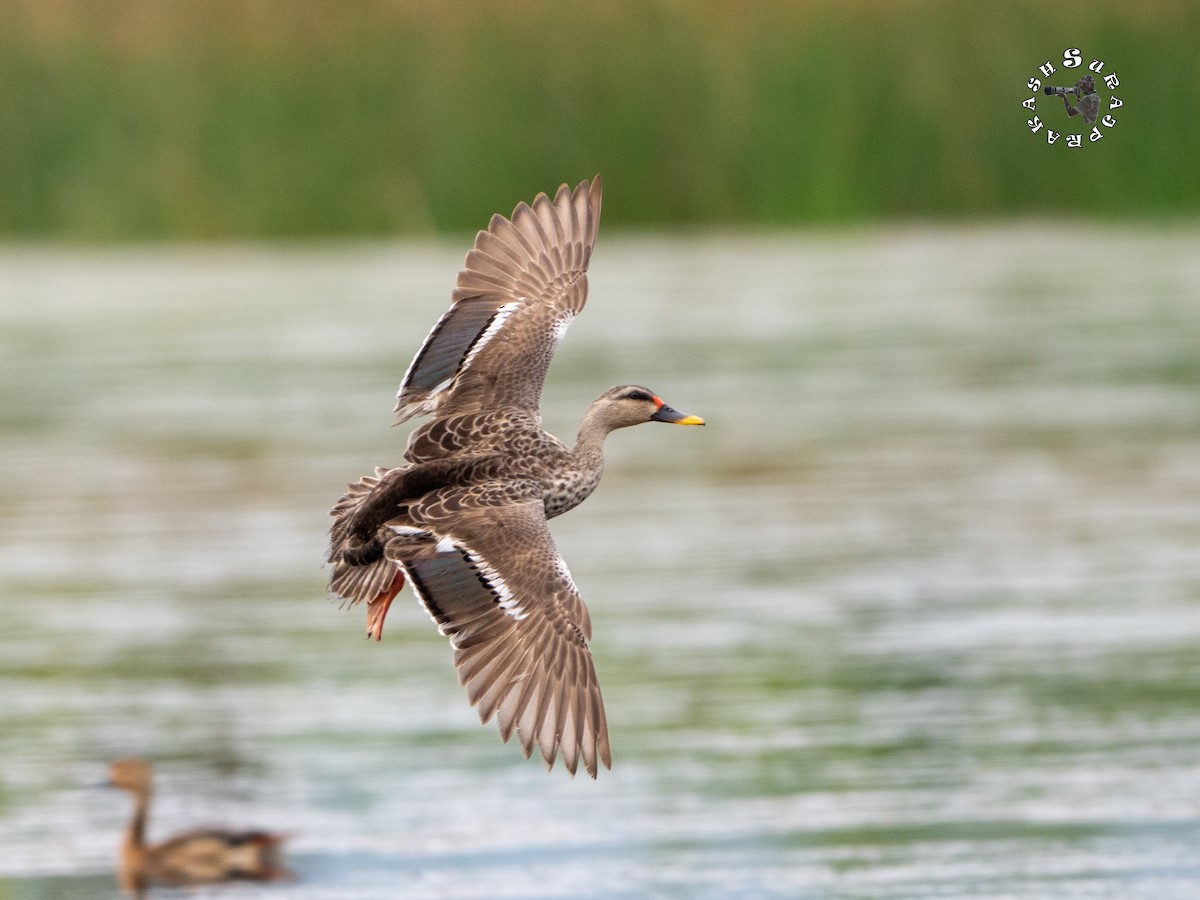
<point x="202" y="856"/>
<point x="464" y="519"/>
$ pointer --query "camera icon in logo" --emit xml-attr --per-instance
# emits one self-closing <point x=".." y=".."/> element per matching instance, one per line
<point x="1087" y="101"/>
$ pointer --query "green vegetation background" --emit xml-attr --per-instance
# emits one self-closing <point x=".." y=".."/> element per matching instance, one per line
<point x="165" y="119"/>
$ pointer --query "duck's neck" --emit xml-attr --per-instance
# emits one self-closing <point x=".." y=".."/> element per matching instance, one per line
<point x="588" y="452"/>
<point x="135" y="832"/>
<point x="132" y="871"/>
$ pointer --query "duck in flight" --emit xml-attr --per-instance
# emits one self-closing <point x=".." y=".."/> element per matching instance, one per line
<point x="464" y="518"/>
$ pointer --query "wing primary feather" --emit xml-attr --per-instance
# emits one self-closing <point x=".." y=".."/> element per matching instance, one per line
<point x="509" y="231"/>
<point x="475" y="659"/>
<point x="527" y="727"/>
<point x="602" y="746"/>
<point x="575" y="249"/>
<point x="563" y="711"/>
<point x="514" y="708"/>
<point x="547" y="727"/>
<point x="484" y="628"/>
<point x="479" y="260"/>
<point x="588" y="732"/>
<point x="473" y="282"/>
<point x="562" y="216"/>
<point x="493" y="691"/>
<point x="570" y="731"/>
<point x="551" y="226"/>
<point x="482" y="679"/>
<point x="500" y="240"/>
<point x="527" y="221"/>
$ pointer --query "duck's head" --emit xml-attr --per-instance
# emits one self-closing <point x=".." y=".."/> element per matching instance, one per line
<point x="130" y="774"/>
<point x="631" y="404"/>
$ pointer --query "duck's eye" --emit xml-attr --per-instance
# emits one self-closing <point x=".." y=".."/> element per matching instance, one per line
<point x="640" y="396"/>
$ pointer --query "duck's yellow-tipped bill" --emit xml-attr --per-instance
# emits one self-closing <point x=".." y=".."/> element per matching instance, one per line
<point x="675" y="417"/>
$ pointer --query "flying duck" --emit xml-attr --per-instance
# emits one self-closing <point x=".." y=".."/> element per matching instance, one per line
<point x="464" y="518"/>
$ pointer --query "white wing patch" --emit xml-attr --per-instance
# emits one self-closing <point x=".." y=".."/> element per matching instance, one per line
<point x="561" y="326"/>
<point x="504" y="595"/>
<point x="493" y="580"/>
<point x="494" y="326"/>
<point x="408" y="530"/>
<point x="482" y="575"/>
<point x="560" y="565"/>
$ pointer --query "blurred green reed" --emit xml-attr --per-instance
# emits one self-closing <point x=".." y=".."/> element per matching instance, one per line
<point x="122" y="119"/>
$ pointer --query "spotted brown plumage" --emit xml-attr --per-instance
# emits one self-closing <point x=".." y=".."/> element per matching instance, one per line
<point x="464" y="519"/>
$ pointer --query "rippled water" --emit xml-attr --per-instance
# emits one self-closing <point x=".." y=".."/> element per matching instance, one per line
<point x="916" y="615"/>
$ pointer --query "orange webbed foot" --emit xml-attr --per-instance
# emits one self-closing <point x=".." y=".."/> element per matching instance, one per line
<point x="377" y="609"/>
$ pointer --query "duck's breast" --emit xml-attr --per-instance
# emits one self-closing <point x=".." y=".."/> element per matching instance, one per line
<point x="569" y="486"/>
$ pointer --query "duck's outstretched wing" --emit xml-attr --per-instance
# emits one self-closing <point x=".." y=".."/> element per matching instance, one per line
<point x="524" y="281"/>
<point x="491" y="578"/>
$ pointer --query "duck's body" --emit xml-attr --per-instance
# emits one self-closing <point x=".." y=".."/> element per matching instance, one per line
<point x="206" y="856"/>
<point x="465" y="518"/>
<point x="201" y="856"/>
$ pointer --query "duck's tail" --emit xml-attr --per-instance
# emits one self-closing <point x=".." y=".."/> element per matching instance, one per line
<point x="354" y="579"/>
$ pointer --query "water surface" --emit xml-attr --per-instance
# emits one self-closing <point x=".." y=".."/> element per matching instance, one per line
<point x="916" y="615"/>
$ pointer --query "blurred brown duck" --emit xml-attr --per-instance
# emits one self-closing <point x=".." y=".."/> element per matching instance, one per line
<point x="202" y="856"/>
<point x="464" y="519"/>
